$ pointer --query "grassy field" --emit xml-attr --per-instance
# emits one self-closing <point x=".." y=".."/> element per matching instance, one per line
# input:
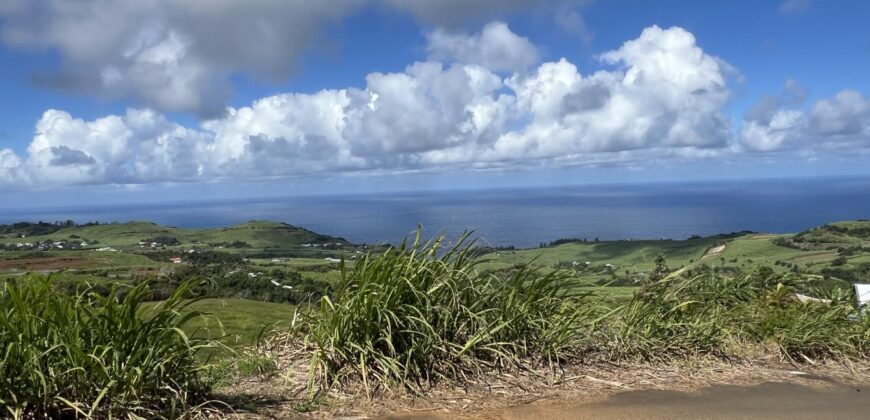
<point x="237" y="322"/>
<point x="635" y="255"/>
<point x="18" y="262"/>
<point x="613" y="268"/>
<point x="810" y="251"/>
<point x="392" y="319"/>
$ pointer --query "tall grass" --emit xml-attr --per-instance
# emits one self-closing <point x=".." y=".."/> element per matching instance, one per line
<point x="419" y="312"/>
<point x="87" y="355"/>
<point x="811" y="331"/>
<point x="721" y="315"/>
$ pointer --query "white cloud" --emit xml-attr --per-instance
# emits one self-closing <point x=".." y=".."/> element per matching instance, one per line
<point x="660" y="97"/>
<point x="10" y="164"/>
<point x="140" y="146"/>
<point x="496" y="48"/>
<point x="180" y="55"/>
<point x="840" y="123"/>
<point x="666" y="93"/>
<point x="428" y="107"/>
<point x="174" y="55"/>
<point x="280" y="135"/>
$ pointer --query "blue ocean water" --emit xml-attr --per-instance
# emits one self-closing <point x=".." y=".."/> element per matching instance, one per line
<point x="523" y="216"/>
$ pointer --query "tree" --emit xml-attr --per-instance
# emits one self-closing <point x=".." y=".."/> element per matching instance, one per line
<point x="659" y="272"/>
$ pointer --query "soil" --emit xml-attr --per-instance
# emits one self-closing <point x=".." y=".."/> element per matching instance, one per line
<point x="46" y="263"/>
<point x="761" y="388"/>
<point x="772" y="400"/>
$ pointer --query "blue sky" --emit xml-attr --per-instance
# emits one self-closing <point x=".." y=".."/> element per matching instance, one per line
<point x="103" y="99"/>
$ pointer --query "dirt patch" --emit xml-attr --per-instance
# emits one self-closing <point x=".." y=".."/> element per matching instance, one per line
<point x="714" y="251"/>
<point x="46" y="263"/>
<point x="772" y="400"/>
<point x="505" y="395"/>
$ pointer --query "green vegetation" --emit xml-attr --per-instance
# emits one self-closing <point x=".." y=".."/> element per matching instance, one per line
<point x="837" y="254"/>
<point x="251" y="238"/>
<point x="407" y="316"/>
<point x="235" y="322"/>
<point x="88" y="355"/>
<point x="721" y="315"/>
<point x="416" y="314"/>
<point x="615" y="263"/>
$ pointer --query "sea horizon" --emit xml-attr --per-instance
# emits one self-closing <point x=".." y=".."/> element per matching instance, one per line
<point x="519" y="216"/>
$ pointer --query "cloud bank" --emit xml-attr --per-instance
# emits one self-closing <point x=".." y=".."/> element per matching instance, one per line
<point x="172" y="55"/>
<point x="837" y="124"/>
<point x="480" y="100"/>
<point x="180" y="55"/>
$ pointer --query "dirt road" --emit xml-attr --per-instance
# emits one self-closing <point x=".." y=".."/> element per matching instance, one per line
<point x="765" y="401"/>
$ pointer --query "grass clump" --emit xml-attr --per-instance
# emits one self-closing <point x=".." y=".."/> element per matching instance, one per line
<point x="88" y="355"/>
<point x="828" y="329"/>
<point x="419" y="313"/>
<point x="723" y="315"/>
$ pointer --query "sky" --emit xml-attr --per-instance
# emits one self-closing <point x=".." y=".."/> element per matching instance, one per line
<point x="118" y="101"/>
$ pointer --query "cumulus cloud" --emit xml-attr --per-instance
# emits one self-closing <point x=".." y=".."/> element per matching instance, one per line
<point x="174" y="55"/>
<point x="660" y="96"/>
<point x="831" y="124"/>
<point x="496" y="48"/>
<point x="180" y="55"/>
<point x="665" y="92"/>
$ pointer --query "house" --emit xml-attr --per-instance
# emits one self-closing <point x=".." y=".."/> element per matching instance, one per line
<point x="175" y="260"/>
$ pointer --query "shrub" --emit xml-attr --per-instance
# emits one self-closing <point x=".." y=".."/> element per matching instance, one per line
<point x="707" y="313"/>
<point x="678" y="317"/>
<point x="417" y="313"/>
<point x="91" y="355"/>
<point x="804" y="332"/>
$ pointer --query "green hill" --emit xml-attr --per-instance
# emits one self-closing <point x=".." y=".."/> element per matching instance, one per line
<point x="250" y="237"/>
<point x="837" y="252"/>
<point x="634" y="255"/>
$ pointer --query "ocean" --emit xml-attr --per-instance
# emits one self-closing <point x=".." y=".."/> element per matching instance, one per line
<point x="523" y="217"/>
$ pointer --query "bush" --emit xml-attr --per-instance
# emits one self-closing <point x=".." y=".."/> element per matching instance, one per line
<point x="417" y="313"/>
<point x="804" y="332"/>
<point x="91" y="355"/>
<point x="712" y="314"/>
<point x="678" y="317"/>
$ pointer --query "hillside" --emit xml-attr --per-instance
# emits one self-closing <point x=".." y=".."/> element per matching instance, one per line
<point x="635" y="255"/>
<point x="835" y="253"/>
<point x="250" y="237"/>
<point x="838" y="252"/>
